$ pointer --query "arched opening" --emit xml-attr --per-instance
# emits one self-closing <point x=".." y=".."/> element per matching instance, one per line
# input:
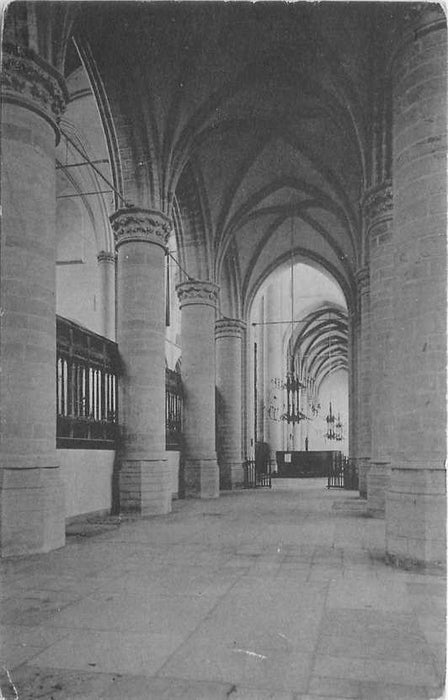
<point x="298" y="326"/>
<point x="85" y="269"/>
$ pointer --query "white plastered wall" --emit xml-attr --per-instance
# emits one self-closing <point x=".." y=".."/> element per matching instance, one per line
<point x="87" y="478"/>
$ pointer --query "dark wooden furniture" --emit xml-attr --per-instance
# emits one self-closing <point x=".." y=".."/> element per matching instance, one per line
<point x="300" y="464"/>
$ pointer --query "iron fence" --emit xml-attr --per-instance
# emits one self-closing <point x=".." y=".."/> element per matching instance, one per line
<point x="254" y="477"/>
<point x="342" y="473"/>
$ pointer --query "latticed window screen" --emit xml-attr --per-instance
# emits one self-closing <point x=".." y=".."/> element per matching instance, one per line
<point x="173" y="409"/>
<point x="86" y="388"/>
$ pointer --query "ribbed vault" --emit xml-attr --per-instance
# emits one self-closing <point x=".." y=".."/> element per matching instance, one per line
<point x="261" y="113"/>
<point x="322" y="343"/>
<point x="251" y="117"/>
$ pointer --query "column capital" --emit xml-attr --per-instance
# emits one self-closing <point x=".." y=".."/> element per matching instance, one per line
<point x="377" y="208"/>
<point x="106" y="256"/>
<point x="363" y="280"/>
<point x="377" y="204"/>
<point x="140" y="225"/>
<point x="197" y="292"/>
<point x="229" y="328"/>
<point x="33" y="83"/>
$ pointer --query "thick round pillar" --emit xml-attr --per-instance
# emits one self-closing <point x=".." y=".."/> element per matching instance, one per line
<point x="378" y="208"/>
<point x="106" y="267"/>
<point x="364" y="382"/>
<point x="141" y="235"/>
<point x="353" y="380"/>
<point x="198" y="307"/>
<point x="416" y="501"/>
<point x="228" y="333"/>
<point x="31" y="493"/>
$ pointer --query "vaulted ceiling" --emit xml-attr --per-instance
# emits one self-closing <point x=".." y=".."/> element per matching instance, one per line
<point x="266" y="106"/>
<point x="252" y="121"/>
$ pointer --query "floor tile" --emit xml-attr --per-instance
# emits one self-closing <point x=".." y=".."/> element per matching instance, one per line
<point x="59" y="684"/>
<point x="394" y="691"/>
<point x="261" y="668"/>
<point x="405" y="673"/>
<point x="328" y="687"/>
<point x="35" y="607"/>
<point x="138" y="612"/>
<point x="142" y="688"/>
<point x="110" y="652"/>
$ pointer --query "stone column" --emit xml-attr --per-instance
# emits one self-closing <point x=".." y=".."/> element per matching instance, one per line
<point x="415" y="502"/>
<point x="352" y="389"/>
<point x="228" y="333"/>
<point x="106" y="265"/>
<point x="31" y="492"/>
<point x="378" y="219"/>
<point x="198" y="307"/>
<point x="364" y="382"/>
<point x="260" y="373"/>
<point x="144" y="478"/>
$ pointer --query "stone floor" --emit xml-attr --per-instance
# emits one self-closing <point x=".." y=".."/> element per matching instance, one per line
<point x="278" y="594"/>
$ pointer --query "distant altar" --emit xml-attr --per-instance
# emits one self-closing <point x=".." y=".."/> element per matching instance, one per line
<point x="301" y="464"/>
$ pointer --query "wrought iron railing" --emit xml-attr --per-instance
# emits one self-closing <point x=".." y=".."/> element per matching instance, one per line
<point x="173" y="409"/>
<point x="86" y="388"/>
<point x="342" y="473"/>
<point x="254" y="477"/>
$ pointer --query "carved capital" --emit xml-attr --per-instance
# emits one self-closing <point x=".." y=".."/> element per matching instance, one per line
<point x="378" y="204"/>
<point x="195" y="292"/>
<point x="363" y="280"/>
<point x="378" y="208"/>
<point x="140" y="225"/>
<point x="31" y="82"/>
<point x="229" y="328"/>
<point x="104" y="256"/>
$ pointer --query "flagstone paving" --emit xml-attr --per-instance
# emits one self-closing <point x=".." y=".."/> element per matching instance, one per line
<point x="278" y="594"/>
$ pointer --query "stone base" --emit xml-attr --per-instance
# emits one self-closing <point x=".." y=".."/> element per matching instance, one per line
<point x="363" y="470"/>
<point x="32" y="511"/>
<point x="231" y="475"/>
<point x="201" y="478"/>
<point x="145" y="486"/>
<point x="378" y="479"/>
<point x="416" y="518"/>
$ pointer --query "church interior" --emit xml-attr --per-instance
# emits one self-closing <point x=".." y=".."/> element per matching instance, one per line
<point x="223" y="259"/>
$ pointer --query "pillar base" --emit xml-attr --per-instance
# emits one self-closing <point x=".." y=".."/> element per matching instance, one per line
<point x="416" y="518"/>
<point x="201" y="478"/>
<point x="145" y="486"/>
<point x="231" y="475"/>
<point x="378" y="479"/>
<point x="32" y="511"/>
<point x="363" y="469"/>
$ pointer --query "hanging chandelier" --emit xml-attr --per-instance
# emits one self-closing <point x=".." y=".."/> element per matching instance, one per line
<point x="293" y="387"/>
<point x="331" y="433"/>
<point x="338" y="428"/>
<point x="300" y="388"/>
<point x="334" y="427"/>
